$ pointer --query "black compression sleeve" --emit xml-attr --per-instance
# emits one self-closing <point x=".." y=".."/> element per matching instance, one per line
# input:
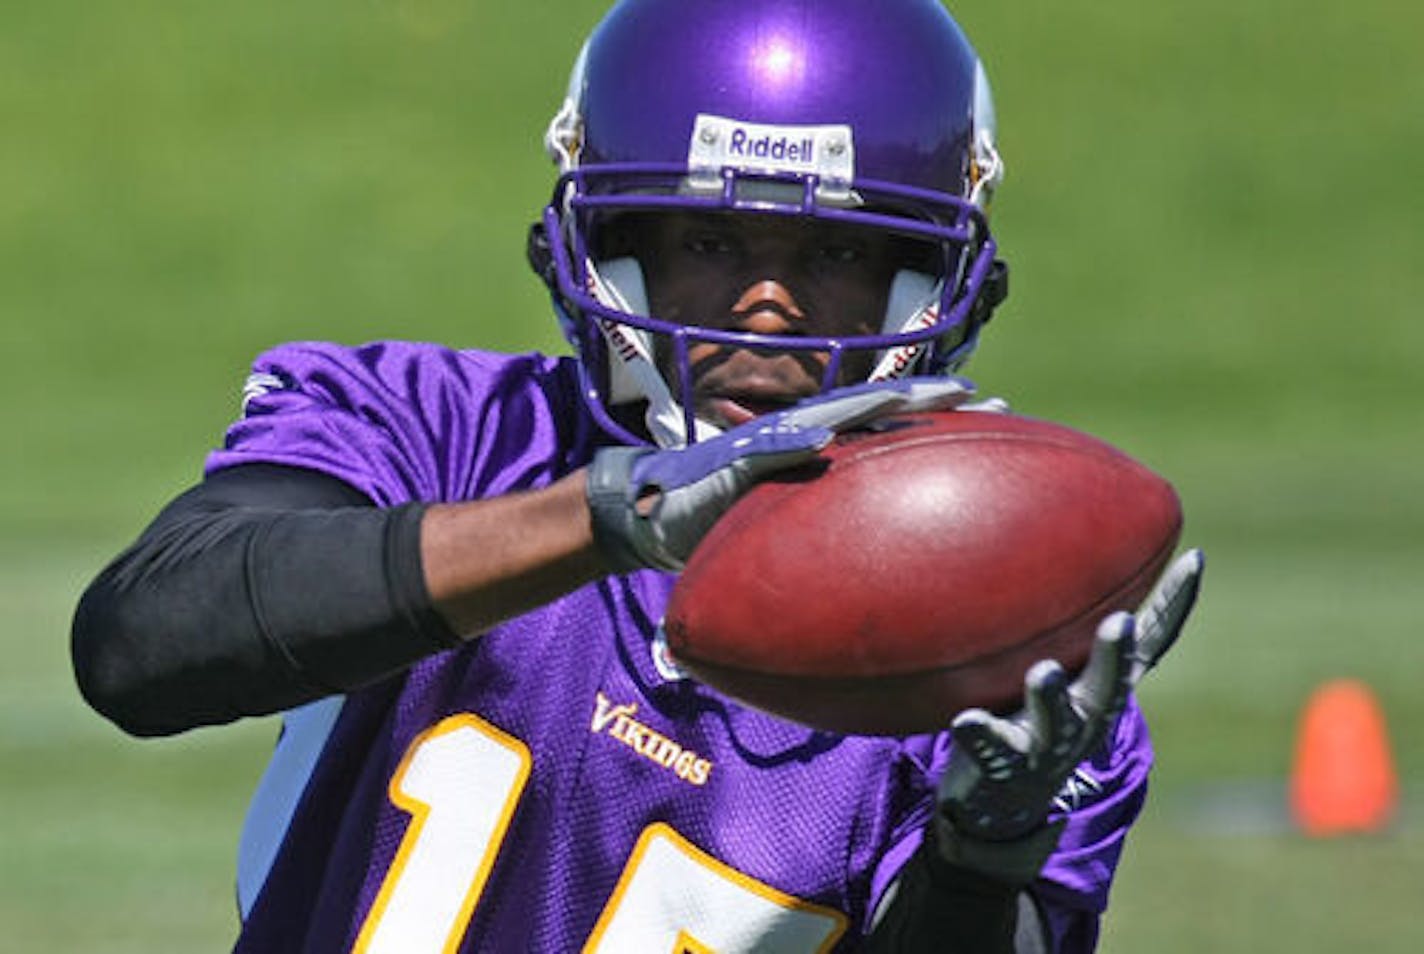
<point x="261" y="588"/>
<point x="939" y="908"/>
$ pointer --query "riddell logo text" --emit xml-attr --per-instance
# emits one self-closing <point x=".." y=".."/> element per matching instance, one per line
<point x="906" y="355"/>
<point x="618" y="723"/>
<point x="618" y="337"/>
<point x="780" y="148"/>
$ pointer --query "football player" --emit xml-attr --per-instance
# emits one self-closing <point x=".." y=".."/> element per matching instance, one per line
<point x="447" y="567"/>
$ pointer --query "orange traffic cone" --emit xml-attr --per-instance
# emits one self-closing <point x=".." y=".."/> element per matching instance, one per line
<point x="1343" y="779"/>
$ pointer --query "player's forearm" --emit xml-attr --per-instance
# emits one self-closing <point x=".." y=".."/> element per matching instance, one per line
<point x="266" y="587"/>
<point x="488" y="560"/>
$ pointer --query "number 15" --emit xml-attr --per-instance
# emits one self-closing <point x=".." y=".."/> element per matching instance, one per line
<point x="461" y="780"/>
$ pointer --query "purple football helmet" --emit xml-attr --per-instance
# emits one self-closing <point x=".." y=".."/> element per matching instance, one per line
<point x="874" y="115"/>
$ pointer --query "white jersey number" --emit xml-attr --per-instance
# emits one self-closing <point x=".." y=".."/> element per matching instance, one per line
<point x="461" y="780"/>
<point x="675" y="897"/>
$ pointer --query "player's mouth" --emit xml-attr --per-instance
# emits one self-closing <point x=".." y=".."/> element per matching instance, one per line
<point x="731" y="410"/>
<point x="733" y="386"/>
<point x="740" y="390"/>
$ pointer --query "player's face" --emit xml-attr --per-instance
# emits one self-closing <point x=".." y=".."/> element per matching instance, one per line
<point x="770" y="275"/>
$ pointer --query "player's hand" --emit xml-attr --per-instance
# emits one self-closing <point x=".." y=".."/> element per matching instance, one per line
<point x="1004" y="773"/>
<point x="651" y="507"/>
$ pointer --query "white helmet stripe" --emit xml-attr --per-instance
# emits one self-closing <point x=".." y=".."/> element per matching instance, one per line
<point x="913" y="304"/>
<point x="633" y="374"/>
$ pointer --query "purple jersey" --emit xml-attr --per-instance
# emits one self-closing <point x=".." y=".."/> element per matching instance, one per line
<point x="557" y="785"/>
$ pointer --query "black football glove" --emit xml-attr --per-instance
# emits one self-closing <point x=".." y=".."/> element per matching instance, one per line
<point x="1004" y="773"/>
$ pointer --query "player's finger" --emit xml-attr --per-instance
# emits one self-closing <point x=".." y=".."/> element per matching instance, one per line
<point x="844" y="411"/>
<point x="1163" y="614"/>
<point x="1102" y="687"/>
<point x="780" y="449"/>
<point x="936" y="394"/>
<point x="995" y="743"/>
<point x="757" y="451"/>
<point x="849" y="407"/>
<point x="1047" y="708"/>
<point x="993" y="405"/>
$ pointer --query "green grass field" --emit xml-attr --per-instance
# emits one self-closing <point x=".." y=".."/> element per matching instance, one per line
<point x="1213" y="219"/>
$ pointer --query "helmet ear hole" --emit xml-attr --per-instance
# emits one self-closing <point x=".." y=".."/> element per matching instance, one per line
<point x="540" y="255"/>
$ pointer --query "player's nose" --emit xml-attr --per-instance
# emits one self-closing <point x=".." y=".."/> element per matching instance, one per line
<point x="767" y="307"/>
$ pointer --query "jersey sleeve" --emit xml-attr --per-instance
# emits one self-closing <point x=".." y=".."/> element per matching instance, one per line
<point x="1099" y="803"/>
<point x="401" y="421"/>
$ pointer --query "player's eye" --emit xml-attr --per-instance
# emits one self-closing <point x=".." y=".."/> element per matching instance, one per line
<point x="840" y="253"/>
<point x="708" y="243"/>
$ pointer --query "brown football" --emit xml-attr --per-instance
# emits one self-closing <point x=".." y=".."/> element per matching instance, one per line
<point x="919" y="569"/>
